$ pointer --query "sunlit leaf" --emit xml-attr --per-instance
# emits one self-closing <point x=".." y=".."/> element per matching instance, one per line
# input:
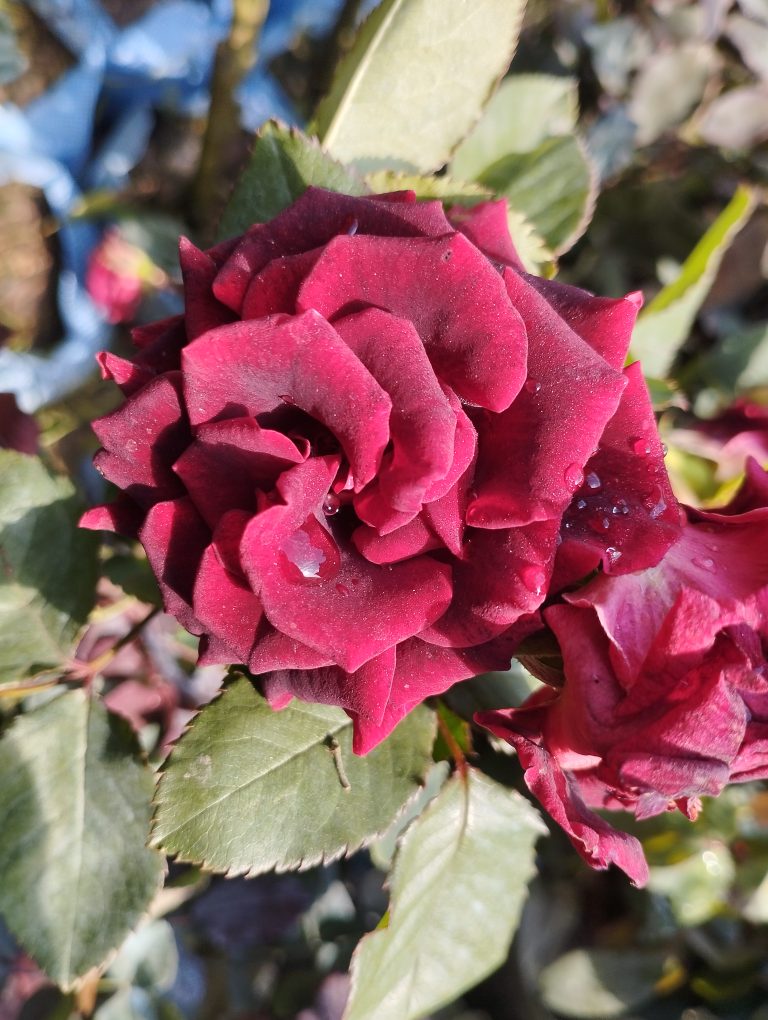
<point x="415" y="80"/>
<point x="554" y="186"/>
<point x="282" y="165"/>
<point x="75" y="803"/>
<point x="48" y="574"/>
<point x="457" y="889"/>
<point x="665" y="323"/>
<point x="525" y="111"/>
<point x="247" y="789"/>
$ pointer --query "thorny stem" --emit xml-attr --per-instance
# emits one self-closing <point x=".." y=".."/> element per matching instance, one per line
<point x="235" y="56"/>
<point x="453" y="746"/>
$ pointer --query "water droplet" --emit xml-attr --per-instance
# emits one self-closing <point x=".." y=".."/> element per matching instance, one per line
<point x="640" y="446"/>
<point x="534" y="579"/>
<point x="331" y="504"/>
<point x="286" y="398"/>
<point x="573" y="476"/>
<point x="310" y="553"/>
<point x="533" y="386"/>
<point x="613" y="555"/>
<point x="131" y="446"/>
<point x="342" y="589"/>
<point x="705" y="562"/>
<point x="352" y="228"/>
<point x="620" y="508"/>
<point x="664" y="449"/>
<point x="581" y="504"/>
<point x="593" y="480"/>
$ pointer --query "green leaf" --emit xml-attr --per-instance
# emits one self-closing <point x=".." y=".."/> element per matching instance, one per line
<point x="75" y="803"/>
<point x="12" y="61"/>
<point x="49" y="565"/>
<point x="664" y="325"/>
<point x="415" y="80"/>
<point x="696" y="887"/>
<point x="525" y="111"/>
<point x="458" y="887"/>
<point x="554" y="186"/>
<point x="605" y="983"/>
<point x="248" y="789"/>
<point x="283" y="164"/>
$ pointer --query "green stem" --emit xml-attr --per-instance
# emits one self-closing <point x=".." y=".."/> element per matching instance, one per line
<point x="235" y="56"/>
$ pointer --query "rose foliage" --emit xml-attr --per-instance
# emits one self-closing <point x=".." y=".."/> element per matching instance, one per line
<point x="373" y="448"/>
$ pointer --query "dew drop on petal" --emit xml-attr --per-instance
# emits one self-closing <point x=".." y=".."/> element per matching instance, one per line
<point x="310" y="553"/>
<point x="331" y="504"/>
<point x="620" y="508"/>
<point x="705" y="562"/>
<point x="533" y="386"/>
<point x="534" y="579"/>
<point x="613" y="555"/>
<point x="599" y="523"/>
<point x="286" y="398"/>
<point x="342" y="589"/>
<point x="573" y="476"/>
<point x="593" y="480"/>
<point x="581" y="504"/>
<point x="640" y="446"/>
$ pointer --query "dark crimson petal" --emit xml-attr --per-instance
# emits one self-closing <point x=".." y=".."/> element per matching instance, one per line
<point x="446" y="516"/>
<point x="142" y="439"/>
<point x="18" y="430"/>
<point x="276" y="287"/>
<point x="570" y="395"/>
<point x="160" y="345"/>
<point x="422" y="424"/>
<point x="475" y="340"/>
<point x="725" y="558"/>
<point x="213" y="652"/>
<point x="605" y="323"/>
<point x="625" y="511"/>
<point x="388" y="603"/>
<point x="225" y="606"/>
<point x="410" y="540"/>
<point x="311" y="221"/>
<point x="125" y="374"/>
<point x="364" y="692"/>
<point x="229" y="461"/>
<point x="122" y="516"/>
<point x="503" y="576"/>
<point x="175" y="538"/>
<point x="201" y="309"/>
<point x="276" y="651"/>
<point x="594" y="839"/>
<point x="464" y="451"/>
<point x="367" y="734"/>
<point x="254" y="367"/>
<point x="487" y="227"/>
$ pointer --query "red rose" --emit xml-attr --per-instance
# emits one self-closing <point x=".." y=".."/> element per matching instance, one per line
<point x="350" y="459"/>
<point x="666" y="684"/>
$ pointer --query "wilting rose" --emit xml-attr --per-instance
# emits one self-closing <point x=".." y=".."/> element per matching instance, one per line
<point x="350" y="459"/>
<point x="665" y="696"/>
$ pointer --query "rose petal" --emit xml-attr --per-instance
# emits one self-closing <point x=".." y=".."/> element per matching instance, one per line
<point x="605" y="323"/>
<point x="142" y="439"/>
<point x="363" y="692"/>
<point x="475" y="341"/>
<point x="229" y="461"/>
<point x="422" y="424"/>
<point x="625" y="511"/>
<point x="388" y="603"/>
<point x="225" y="606"/>
<point x="201" y="309"/>
<point x="122" y="515"/>
<point x="160" y="344"/>
<point x="567" y="401"/>
<point x="125" y="374"/>
<point x="311" y="221"/>
<point x="174" y="537"/>
<point x="274" y="651"/>
<point x="276" y="287"/>
<point x="411" y="539"/>
<point x="254" y="367"/>
<point x="502" y="576"/>
<point x="487" y="227"/>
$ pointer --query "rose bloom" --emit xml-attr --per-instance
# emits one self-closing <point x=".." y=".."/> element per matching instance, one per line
<point x="349" y="461"/>
<point x="665" y="696"/>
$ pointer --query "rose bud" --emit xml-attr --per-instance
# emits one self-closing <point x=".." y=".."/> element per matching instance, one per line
<point x="350" y="459"/>
<point x="665" y="698"/>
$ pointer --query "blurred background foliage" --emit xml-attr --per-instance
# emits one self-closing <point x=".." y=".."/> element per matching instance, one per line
<point x="617" y="163"/>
